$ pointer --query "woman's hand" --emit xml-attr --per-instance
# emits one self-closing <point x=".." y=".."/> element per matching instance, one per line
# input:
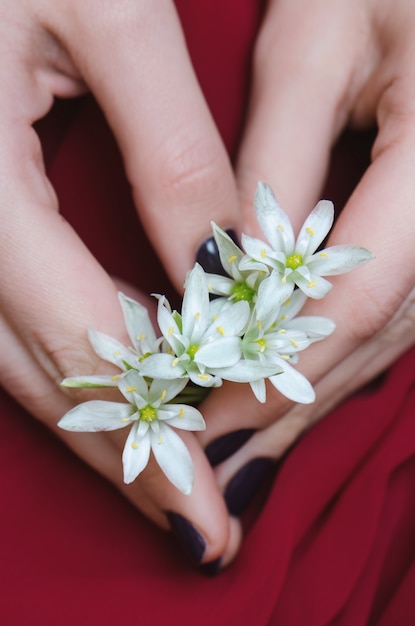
<point x="320" y="66"/>
<point x="133" y="58"/>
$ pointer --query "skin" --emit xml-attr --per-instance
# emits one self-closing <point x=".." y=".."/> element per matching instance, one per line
<point x="348" y="62"/>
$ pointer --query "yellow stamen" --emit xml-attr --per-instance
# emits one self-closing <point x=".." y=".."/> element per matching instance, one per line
<point x="163" y="394"/>
<point x="181" y="412"/>
<point x="261" y="343"/>
<point x="134" y="445"/>
<point x="117" y="352"/>
<point x="203" y="376"/>
<point x="280" y="227"/>
<point x="116" y="377"/>
<point x="310" y="231"/>
<point x="125" y="420"/>
<point x="214" y="318"/>
<point x="285" y="357"/>
<point x="197" y="315"/>
<point x="175" y="362"/>
<point x="141" y="336"/>
<point x="220" y="330"/>
<point x="263" y="253"/>
<point x="312" y="284"/>
<point x="287" y="302"/>
<point x="232" y="258"/>
<point x="324" y="254"/>
<point x="171" y="331"/>
<point x="258" y="323"/>
<point x="282" y="331"/>
<point x="129" y="389"/>
<point x="294" y="343"/>
<point x="283" y="317"/>
<point x="160" y="441"/>
<point x="284" y="280"/>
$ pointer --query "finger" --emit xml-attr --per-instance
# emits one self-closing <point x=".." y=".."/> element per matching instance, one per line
<point x="308" y="65"/>
<point x="135" y="61"/>
<point x="371" y="359"/>
<point x="373" y="309"/>
<point x="52" y="291"/>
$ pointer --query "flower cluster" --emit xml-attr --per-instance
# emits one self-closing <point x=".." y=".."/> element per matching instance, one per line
<point x="249" y="332"/>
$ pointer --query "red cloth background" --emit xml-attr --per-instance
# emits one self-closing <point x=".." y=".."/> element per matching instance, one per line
<point x="335" y="543"/>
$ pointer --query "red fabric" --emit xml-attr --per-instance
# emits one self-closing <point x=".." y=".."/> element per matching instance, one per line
<point x="334" y="544"/>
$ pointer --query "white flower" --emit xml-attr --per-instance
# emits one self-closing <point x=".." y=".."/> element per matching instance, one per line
<point x="151" y="416"/>
<point x="203" y="347"/>
<point x="278" y="339"/>
<point x="143" y="339"/>
<point x="295" y="261"/>
<point x="252" y="284"/>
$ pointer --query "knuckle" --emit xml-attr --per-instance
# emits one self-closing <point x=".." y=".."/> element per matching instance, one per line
<point x="189" y="174"/>
<point x="375" y="311"/>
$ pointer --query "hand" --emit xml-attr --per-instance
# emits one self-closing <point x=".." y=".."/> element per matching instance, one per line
<point x="318" y="67"/>
<point x="132" y="57"/>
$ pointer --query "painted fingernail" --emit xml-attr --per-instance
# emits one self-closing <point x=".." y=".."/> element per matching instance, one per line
<point x="208" y="255"/>
<point x="245" y="485"/>
<point x="222" y="448"/>
<point x="188" y="537"/>
<point x="212" y="568"/>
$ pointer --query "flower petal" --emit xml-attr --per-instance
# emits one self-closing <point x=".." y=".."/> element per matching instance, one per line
<point x="165" y="390"/>
<point x="87" y="382"/>
<point x="314" y="287"/>
<point x="135" y="454"/>
<point x="195" y="306"/>
<point x="182" y="416"/>
<point x="168" y="325"/>
<point x="255" y="250"/>
<point x="338" y="260"/>
<point x="315" y="228"/>
<point x="247" y="371"/>
<point x="173" y="457"/>
<point x="109" y="349"/>
<point x="230" y="319"/>
<point x="313" y="325"/>
<point x="204" y="380"/>
<point x="272" y="293"/>
<point x="293" y="385"/>
<point x="137" y="322"/>
<point x="259" y="389"/>
<point x="219" y="285"/>
<point x="162" y="366"/>
<point x="222" y="352"/>
<point x="97" y="415"/>
<point x="134" y="388"/>
<point x="229" y="253"/>
<point x="273" y="221"/>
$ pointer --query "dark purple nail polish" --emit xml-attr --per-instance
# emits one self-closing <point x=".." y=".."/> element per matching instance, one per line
<point x="244" y="486"/>
<point x="222" y="448"/>
<point x="188" y="537"/>
<point x="208" y="255"/>
<point x="212" y="568"/>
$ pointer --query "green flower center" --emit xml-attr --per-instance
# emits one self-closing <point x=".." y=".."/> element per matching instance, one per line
<point x="293" y="261"/>
<point x="241" y="291"/>
<point x="192" y="349"/>
<point x="148" y="414"/>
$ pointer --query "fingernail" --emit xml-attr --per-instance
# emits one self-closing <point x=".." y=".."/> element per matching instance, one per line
<point x="246" y="483"/>
<point x="208" y="255"/>
<point x="187" y="535"/>
<point x="222" y="448"/>
<point x="212" y="568"/>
